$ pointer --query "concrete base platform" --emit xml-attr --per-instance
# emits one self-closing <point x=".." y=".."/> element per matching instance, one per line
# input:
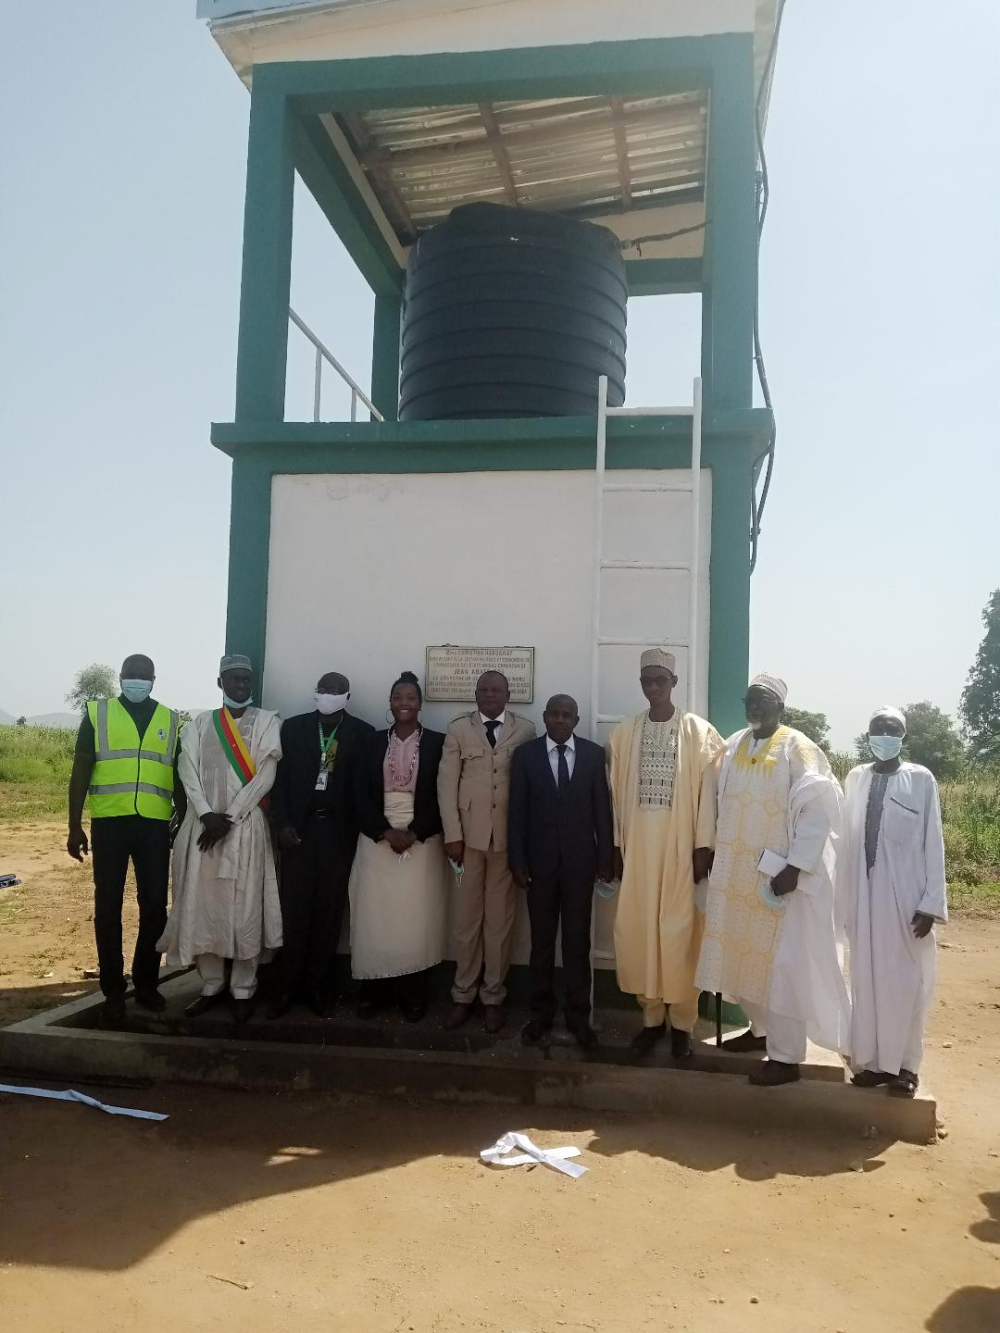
<point x="389" y="1057"/>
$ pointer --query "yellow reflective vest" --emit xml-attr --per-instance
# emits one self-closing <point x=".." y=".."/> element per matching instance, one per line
<point x="132" y="776"/>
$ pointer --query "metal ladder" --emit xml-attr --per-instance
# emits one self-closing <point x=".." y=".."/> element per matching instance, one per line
<point x="691" y="567"/>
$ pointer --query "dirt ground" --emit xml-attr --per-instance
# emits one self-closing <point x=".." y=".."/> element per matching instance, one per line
<point x="264" y="1212"/>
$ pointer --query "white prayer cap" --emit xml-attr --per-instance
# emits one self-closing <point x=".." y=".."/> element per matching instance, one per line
<point x="234" y="662"/>
<point x="888" y="710"/>
<point x="658" y="657"/>
<point x="774" y="684"/>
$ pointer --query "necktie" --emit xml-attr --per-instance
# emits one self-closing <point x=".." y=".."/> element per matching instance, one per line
<point x="563" y="769"/>
<point x="491" y="731"/>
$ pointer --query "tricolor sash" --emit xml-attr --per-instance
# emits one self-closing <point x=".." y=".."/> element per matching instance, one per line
<point x="234" y="747"/>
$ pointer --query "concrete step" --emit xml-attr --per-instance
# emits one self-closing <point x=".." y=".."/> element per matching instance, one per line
<point x="388" y="1057"/>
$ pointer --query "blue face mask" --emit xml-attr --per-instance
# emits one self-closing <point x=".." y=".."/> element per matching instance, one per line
<point x="135" y="691"/>
<point x="236" y="703"/>
<point x="885" y="747"/>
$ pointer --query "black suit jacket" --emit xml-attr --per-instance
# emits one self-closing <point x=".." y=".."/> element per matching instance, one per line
<point x="295" y="783"/>
<point x="370" y="788"/>
<point x="548" y="832"/>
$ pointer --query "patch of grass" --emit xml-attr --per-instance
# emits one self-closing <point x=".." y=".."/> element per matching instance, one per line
<point x="35" y="764"/>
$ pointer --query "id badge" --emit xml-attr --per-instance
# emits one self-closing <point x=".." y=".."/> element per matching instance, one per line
<point x="322" y="779"/>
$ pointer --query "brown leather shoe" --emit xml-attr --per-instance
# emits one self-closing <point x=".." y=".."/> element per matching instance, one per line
<point x="494" y="1018"/>
<point x="457" y="1015"/>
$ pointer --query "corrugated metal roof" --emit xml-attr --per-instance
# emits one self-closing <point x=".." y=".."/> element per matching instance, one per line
<point x="585" y="155"/>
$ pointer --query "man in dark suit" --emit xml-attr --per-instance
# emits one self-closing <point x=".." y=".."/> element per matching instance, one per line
<point x="560" y="839"/>
<point x="316" y="817"/>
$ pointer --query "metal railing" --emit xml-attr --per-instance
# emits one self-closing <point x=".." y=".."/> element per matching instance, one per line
<point x="323" y="353"/>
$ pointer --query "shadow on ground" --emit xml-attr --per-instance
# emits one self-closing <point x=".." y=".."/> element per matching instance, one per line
<point x="86" y="1190"/>
<point x="973" y="1309"/>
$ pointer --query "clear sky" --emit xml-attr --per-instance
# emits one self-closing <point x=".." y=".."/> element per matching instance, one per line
<point x="122" y="164"/>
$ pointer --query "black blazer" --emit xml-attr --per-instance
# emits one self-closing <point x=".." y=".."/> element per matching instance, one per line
<point x="370" y="787"/>
<point x="295" y="783"/>
<point x="548" y="832"/>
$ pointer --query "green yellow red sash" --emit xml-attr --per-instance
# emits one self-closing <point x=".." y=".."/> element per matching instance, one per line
<point x="234" y="747"/>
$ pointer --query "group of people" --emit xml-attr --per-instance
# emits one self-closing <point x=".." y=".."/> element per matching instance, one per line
<point x="740" y="865"/>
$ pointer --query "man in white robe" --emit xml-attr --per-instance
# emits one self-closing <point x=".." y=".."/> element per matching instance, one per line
<point x="892" y="880"/>
<point x="225" y="891"/>
<point x="770" y="935"/>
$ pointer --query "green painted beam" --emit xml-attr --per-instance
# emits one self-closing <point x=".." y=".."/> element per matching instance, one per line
<point x="663" y="277"/>
<point x="729" y="573"/>
<point x="662" y="65"/>
<point x="385" y="356"/>
<point x="329" y="182"/>
<point x="542" y="439"/>
<point x="730" y="237"/>
<point x="249" y="541"/>
<point x="267" y="260"/>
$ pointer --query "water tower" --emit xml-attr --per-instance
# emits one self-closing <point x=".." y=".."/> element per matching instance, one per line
<point x="507" y="532"/>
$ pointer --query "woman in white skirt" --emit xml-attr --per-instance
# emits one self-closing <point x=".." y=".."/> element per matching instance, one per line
<point x="399" y="885"/>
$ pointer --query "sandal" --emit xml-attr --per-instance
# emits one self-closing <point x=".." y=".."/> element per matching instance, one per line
<point x="905" y="1085"/>
<point x="871" y="1078"/>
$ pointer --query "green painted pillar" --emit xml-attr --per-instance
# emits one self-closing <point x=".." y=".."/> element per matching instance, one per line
<point x="267" y="257"/>
<point x="731" y="235"/>
<point x="385" y="356"/>
<point x="249" y="538"/>
<point x="729" y="577"/>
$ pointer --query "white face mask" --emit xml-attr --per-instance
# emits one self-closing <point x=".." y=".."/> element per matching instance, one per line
<point x="236" y="703"/>
<point x="135" y="691"/>
<point x="885" y="747"/>
<point x="330" y="703"/>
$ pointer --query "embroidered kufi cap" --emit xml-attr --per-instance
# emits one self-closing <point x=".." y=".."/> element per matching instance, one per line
<point x="658" y="657"/>
<point x="234" y="662"/>
<point x="774" y="684"/>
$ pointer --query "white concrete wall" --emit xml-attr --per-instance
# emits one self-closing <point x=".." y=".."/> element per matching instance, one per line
<point x="367" y="570"/>
<point x="418" y="27"/>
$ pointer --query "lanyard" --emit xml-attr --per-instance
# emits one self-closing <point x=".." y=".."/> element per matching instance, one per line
<point x="327" y="747"/>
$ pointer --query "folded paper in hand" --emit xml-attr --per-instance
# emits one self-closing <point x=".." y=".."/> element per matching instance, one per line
<point x="770" y="864"/>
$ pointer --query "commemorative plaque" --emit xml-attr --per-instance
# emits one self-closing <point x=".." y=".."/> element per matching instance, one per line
<point x="452" y="671"/>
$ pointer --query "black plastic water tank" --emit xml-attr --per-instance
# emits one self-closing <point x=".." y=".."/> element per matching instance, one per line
<point x="512" y="313"/>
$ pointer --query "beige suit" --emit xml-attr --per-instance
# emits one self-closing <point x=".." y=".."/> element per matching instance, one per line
<point x="473" y="792"/>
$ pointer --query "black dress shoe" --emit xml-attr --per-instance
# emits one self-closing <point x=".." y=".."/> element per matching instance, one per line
<point x="113" y="1009"/>
<point x="745" y="1044"/>
<point x="535" y="1032"/>
<point x="151" y="999"/>
<point x="367" y="1008"/>
<point x="321" y="1005"/>
<point x="643" y="1042"/>
<point x="413" y="1013"/>
<point x="202" y="1005"/>
<point x="584" y="1035"/>
<point x="243" y="1010"/>
<point x="772" y="1073"/>
<point x="680" y="1044"/>
<point x="280" y="1006"/>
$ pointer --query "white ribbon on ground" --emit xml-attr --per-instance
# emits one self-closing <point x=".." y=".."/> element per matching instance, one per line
<point x="71" y="1095"/>
<point x="499" y="1155"/>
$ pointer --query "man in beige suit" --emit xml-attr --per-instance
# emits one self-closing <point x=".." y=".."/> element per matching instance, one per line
<point x="473" y="786"/>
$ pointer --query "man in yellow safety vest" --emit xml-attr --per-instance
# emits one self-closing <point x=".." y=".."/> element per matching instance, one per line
<point x="125" y="762"/>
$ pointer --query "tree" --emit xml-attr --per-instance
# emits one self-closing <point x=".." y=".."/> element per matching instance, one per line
<point x="980" y="707"/>
<point x="813" y="725"/>
<point x="92" y="682"/>
<point x="931" y="739"/>
<point x="22" y="721"/>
